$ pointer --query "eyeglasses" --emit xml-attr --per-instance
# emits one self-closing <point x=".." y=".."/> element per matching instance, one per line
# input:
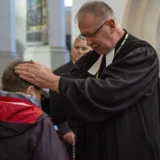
<point x="94" y="33"/>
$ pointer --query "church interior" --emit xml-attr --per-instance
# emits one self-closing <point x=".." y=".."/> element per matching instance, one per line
<point x="44" y="30"/>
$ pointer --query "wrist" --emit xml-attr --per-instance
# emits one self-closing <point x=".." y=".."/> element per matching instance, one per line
<point x="54" y="85"/>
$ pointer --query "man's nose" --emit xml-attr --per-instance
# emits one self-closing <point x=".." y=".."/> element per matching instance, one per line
<point x="89" y="41"/>
<point x="80" y="51"/>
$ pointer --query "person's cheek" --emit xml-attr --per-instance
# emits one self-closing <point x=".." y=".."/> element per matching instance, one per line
<point x="38" y="97"/>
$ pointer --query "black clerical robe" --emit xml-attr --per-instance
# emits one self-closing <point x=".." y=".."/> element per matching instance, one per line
<point x="57" y="113"/>
<point x="117" y="114"/>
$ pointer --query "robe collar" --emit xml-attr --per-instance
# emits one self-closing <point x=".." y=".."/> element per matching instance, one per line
<point x="109" y="57"/>
<point x="120" y="41"/>
<point x="96" y="66"/>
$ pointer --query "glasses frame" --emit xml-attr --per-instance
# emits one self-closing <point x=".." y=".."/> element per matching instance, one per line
<point x="94" y="33"/>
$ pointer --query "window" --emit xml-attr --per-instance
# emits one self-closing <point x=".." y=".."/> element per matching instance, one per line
<point x="68" y="3"/>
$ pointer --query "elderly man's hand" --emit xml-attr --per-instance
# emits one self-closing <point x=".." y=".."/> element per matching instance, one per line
<point x="70" y="137"/>
<point x="38" y="75"/>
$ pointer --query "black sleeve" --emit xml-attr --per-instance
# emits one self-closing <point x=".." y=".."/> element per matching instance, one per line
<point x="64" y="128"/>
<point x="57" y="112"/>
<point x="46" y="106"/>
<point x="49" y="147"/>
<point x="121" y="85"/>
<point x="57" y="105"/>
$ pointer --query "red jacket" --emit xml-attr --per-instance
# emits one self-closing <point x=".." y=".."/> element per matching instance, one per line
<point x="27" y="133"/>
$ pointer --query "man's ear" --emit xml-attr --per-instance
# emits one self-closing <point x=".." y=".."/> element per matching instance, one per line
<point x="30" y="91"/>
<point x="112" y="25"/>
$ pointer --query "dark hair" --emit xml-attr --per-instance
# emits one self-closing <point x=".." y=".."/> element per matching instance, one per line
<point x="98" y="8"/>
<point x="11" y="81"/>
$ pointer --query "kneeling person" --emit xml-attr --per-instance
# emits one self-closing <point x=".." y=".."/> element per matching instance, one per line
<point x="26" y="132"/>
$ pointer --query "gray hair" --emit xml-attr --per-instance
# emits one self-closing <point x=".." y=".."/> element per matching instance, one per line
<point x="79" y="38"/>
<point x="98" y="8"/>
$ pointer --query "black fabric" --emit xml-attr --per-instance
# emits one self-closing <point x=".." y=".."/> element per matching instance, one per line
<point x="45" y="106"/>
<point x="12" y="129"/>
<point x="64" y="68"/>
<point x="64" y="128"/>
<point x="121" y="40"/>
<point x="54" y="99"/>
<point x="118" y="114"/>
<point x="56" y="103"/>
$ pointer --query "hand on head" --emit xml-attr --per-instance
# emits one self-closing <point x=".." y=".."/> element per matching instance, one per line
<point x="38" y="75"/>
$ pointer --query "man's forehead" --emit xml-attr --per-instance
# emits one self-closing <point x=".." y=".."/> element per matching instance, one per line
<point x="88" y="23"/>
<point x="86" y="18"/>
<point x="80" y="42"/>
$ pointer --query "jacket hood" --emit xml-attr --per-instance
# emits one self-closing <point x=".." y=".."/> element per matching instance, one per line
<point x="17" y="116"/>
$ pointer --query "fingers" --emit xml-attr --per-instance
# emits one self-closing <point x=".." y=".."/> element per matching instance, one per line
<point x="37" y="74"/>
<point x="32" y="67"/>
<point x="31" y="80"/>
<point x="73" y="141"/>
<point x="33" y="62"/>
<point x="30" y="75"/>
<point x="29" y="69"/>
<point x="28" y="72"/>
<point x="70" y="138"/>
<point x="27" y="66"/>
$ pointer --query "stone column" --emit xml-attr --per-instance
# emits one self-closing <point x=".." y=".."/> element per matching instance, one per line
<point x="7" y="33"/>
<point x="55" y="53"/>
<point x="76" y="4"/>
<point x="21" y="20"/>
<point x="57" y="33"/>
